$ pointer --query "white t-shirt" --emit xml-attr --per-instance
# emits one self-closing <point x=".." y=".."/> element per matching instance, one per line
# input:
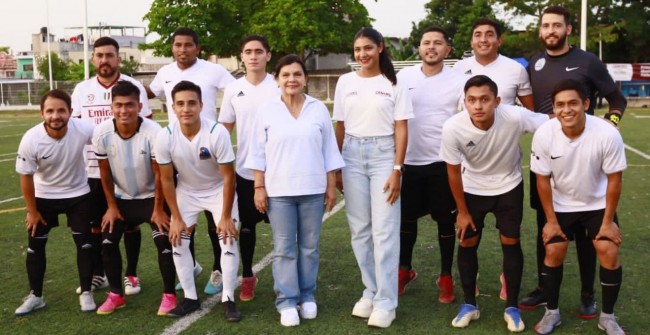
<point x="491" y="159"/>
<point x="130" y="159"/>
<point x="58" y="166"/>
<point x="295" y="154"/>
<point x="240" y="102"/>
<point x="370" y="106"/>
<point x="510" y="76"/>
<point x="91" y="101"/>
<point x="197" y="161"/>
<point x="211" y="77"/>
<point x="578" y="168"/>
<point x="435" y="99"/>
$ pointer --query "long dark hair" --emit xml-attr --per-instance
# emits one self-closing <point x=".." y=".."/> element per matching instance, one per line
<point x="385" y="64"/>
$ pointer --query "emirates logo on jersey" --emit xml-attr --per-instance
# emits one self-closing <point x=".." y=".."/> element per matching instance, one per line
<point x="90" y="98"/>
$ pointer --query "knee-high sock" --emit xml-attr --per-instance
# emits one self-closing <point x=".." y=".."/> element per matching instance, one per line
<point x="513" y="266"/>
<point x="541" y="252"/>
<point x="112" y="257"/>
<point x="447" y="243"/>
<point x="551" y="282"/>
<point x="407" y="236"/>
<point x="610" y="283"/>
<point x="586" y="262"/>
<point x="192" y="247"/>
<point x="36" y="263"/>
<point x="214" y="240"/>
<point x="165" y="260"/>
<point x="132" y="242"/>
<point x="84" y="244"/>
<point x="229" y="268"/>
<point x="468" y="269"/>
<point x="184" y="264"/>
<point x="247" y="240"/>
<point x="98" y="264"/>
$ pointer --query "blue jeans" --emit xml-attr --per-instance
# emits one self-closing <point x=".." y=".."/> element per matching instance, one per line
<point x="374" y="223"/>
<point x="296" y="221"/>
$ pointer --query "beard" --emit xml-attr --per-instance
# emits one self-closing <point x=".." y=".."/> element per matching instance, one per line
<point x="62" y="123"/>
<point x="106" y="71"/>
<point x="559" y="44"/>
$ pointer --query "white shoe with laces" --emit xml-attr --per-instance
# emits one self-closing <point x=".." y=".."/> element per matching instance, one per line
<point x="30" y="304"/>
<point x="87" y="302"/>
<point x="289" y="317"/>
<point x="308" y="310"/>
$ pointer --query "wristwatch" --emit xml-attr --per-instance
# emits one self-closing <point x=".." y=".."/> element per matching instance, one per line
<point x="399" y="168"/>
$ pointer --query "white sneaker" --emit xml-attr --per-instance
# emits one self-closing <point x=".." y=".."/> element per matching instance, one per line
<point x="608" y="323"/>
<point x="466" y="314"/>
<point x="30" y="304"/>
<point x="132" y="285"/>
<point x="308" y="310"/>
<point x="98" y="283"/>
<point x="289" y="317"/>
<point x="381" y="318"/>
<point x="363" y="308"/>
<point x="87" y="302"/>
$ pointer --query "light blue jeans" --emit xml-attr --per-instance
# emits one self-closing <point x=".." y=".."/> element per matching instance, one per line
<point x="374" y="223"/>
<point x="296" y="222"/>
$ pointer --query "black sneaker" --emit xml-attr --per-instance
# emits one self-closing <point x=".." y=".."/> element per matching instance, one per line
<point x="230" y="311"/>
<point x="186" y="307"/>
<point x="587" y="309"/>
<point x="533" y="300"/>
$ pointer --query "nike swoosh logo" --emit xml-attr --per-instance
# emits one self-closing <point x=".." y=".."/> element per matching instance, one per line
<point x="569" y="69"/>
<point x="169" y="81"/>
<point x="46" y="157"/>
<point x="555" y="157"/>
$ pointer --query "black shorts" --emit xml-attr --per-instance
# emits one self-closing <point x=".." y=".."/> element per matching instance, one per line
<point x="135" y="211"/>
<point x="425" y="190"/>
<point x="98" y="202"/>
<point x="589" y="221"/>
<point x="245" y="202"/>
<point x="78" y="211"/>
<point x="508" y="208"/>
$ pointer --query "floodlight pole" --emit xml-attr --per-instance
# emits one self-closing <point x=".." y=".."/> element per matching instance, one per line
<point x="583" y="26"/>
<point x="86" y="41"/>
<point x="49" y="51"/>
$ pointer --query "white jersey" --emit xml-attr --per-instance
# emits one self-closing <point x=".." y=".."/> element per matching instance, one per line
<point x="578" y="168"/>
<point x="435" y="99"/>
<point x="130" y="159"/>
<point x="370" y="106"/>
<point x="295" y="154"/>
<point x="491" y="159"/>
<point x="58" y="166"/>
<point x="197" y="161"/>
<point x="211" y="77"/>
<point x="509" y="75"/>
<point x="240" y="102"/>
<point x="91" y="101"/>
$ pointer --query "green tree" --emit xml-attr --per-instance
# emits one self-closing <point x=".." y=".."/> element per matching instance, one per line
<point x="401" y="50"/>
<point x="60" y="68"/>
<point x="76" y="71"/>
<point x="129" y="66"/>
<point x="4" y="49"/>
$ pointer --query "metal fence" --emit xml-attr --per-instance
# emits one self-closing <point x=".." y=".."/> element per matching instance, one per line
<point x="19" y="94"/>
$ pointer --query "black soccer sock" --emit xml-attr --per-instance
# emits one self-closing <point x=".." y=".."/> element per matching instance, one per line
<point x="468" y="269"/>
<point x="98" y="264"/>
<point x="541" y="251"/>
<point x="165" y="259"/>
<point x="551" y="282"/>
<point x="247" y="240"/>
<point x="610" y="284"/>
<point x="132" y="243"/>
<point x="84" y="244"/>
<point x="408" y="235"/>
<point x="447" y="243"/>
<point x="192" y="246"/>
<point x="586" y="262"/>
<point x="36" y="263"/>
<point x="112" y="257"/>
<point x="513" y="266"/>
<point x="214" y="240"/>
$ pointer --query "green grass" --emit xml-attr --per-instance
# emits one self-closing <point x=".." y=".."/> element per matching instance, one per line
<point x="339" y="279"/>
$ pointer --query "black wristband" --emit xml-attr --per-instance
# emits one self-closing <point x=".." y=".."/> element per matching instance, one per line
<point x="613" y="117"/>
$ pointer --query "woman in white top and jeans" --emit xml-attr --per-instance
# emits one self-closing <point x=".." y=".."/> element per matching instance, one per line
<point x="294" y="156"/>
<point x="372" y="112"/>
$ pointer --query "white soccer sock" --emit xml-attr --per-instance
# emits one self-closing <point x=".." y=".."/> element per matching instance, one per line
<point x="185" y="267"/>
<point x="229" y="268"/>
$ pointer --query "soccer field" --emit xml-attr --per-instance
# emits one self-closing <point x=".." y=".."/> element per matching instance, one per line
<point x="339" y="283"/>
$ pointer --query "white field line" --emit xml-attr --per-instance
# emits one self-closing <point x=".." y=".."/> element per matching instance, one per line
<point x="8" y="154"/>
<point x="7" y="160"/>
<point x="207" y="305"/>
<point x="13" y="135"/>
<point x="638" y="152"/>
<point x="10" y="199"/>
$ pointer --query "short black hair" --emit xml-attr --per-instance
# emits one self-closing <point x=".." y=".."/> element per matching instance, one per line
<point x="184" y="31"/>
<point x="481" y="80"/>
<point x="125" y="88"/>
<point x="569" y="85"/>
<point x="57" y="94"/>
<point x="104" y="41"/>
<point x="487" y="22"/>
<point x="259" y="38"/>
<point x="435" y="29"/>
<point x="288" y="60"/>
<point x="559" y="10"/>
<point x="186" y="86"/>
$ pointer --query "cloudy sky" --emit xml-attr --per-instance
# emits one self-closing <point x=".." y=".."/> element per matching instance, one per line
<point x="20" y="19"/>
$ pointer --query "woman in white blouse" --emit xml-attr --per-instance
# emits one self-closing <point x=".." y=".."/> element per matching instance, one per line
<point x="372" y="112"/>
<point x="294" y="156"/>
